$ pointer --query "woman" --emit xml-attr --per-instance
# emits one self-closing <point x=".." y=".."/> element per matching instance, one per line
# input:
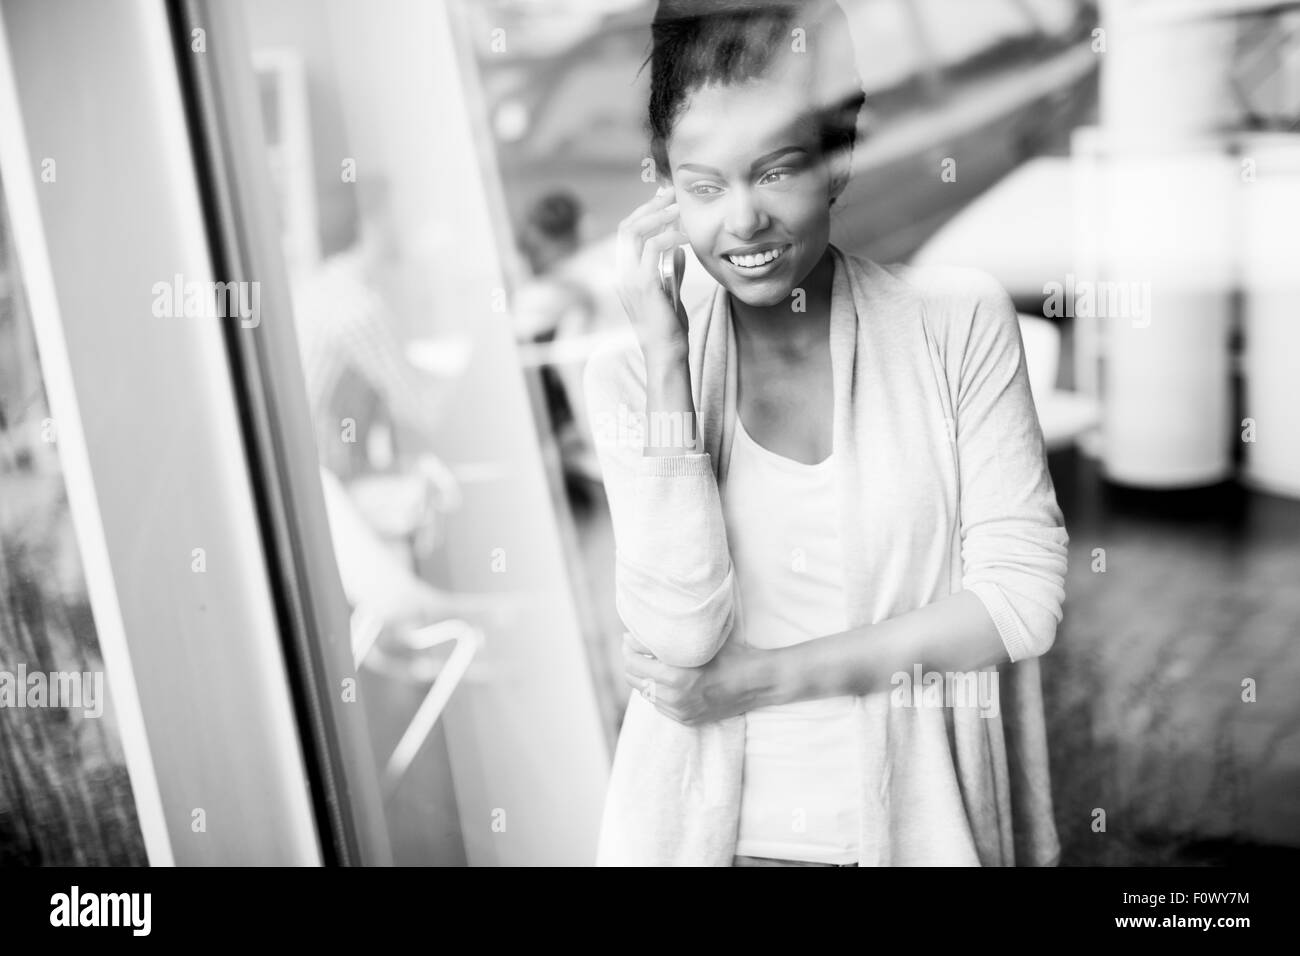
<point x="839" y="551"/>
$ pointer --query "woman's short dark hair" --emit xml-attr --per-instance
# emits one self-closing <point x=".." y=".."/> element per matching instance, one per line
<point x="698" y="43"/>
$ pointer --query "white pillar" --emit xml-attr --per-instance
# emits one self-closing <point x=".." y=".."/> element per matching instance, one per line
<point x="1154" y="247"/>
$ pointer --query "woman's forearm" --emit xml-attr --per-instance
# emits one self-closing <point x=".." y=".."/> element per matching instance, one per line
<point x="670" y="407"/>
<point x="953" y="634"/>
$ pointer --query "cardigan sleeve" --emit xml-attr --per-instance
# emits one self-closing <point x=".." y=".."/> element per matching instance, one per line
<point x="673" y="574"/>
<point x="1013" y="536"/>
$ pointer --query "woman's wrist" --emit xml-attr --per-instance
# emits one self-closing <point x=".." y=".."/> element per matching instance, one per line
<point x="774" y="678"/>
<point x="837" y="665"/>
<point x="669" y="353"/>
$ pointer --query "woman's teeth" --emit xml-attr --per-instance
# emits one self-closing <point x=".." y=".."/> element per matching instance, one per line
<point x="756" y="260"/>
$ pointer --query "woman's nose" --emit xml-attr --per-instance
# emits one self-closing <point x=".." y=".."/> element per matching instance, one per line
<point x="745" y="217"/>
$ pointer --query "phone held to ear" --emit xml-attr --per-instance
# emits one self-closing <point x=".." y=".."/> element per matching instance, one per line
<point x="671" y="267"/>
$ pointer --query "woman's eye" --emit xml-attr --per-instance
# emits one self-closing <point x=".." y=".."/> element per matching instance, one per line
<point x="703" y="189"/>
<point x="775" y="175"/>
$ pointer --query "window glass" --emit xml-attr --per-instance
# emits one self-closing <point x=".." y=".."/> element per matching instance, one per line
<point x="973" y="30"/>
<point x="884" y="36"/>
<point x="1054" y="17"/>
<point x="451" y="543"/>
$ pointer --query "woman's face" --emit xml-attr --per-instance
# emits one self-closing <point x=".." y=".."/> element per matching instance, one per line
<point x="753" y="192"/>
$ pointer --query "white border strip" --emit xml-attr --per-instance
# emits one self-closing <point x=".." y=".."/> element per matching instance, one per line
<point x="17" y="173"/>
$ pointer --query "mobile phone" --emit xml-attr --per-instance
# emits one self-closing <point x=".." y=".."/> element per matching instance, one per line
<point x="671" y="266"/>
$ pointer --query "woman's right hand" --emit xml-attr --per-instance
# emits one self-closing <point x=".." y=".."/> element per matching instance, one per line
<point x="649" y="232"/>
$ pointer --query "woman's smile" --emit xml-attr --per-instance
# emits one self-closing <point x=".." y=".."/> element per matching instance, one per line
<point x="757" y="261"/>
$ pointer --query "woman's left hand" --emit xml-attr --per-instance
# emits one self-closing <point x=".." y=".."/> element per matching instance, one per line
<point x="724" y="687"/>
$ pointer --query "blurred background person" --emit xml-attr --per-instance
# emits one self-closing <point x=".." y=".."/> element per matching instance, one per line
<point x="555" y="303"/>
<point x="373" y="411"/>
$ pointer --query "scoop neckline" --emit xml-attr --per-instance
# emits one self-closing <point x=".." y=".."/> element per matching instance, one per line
<point x="789" y="463"/>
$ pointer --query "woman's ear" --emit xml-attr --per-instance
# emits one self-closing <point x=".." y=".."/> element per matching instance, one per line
<point x="840" y="167"/>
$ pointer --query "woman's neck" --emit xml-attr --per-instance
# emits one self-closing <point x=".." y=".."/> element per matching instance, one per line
<point x="778" y="330"/>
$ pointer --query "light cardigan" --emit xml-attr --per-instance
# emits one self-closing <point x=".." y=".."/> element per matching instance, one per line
<point x="943" y="485"/>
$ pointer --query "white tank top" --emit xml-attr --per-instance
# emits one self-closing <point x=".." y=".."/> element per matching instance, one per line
<point x="800" y="796"/>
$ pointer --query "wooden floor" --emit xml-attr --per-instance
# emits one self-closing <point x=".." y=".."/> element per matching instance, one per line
<point x="1143" y="688"/>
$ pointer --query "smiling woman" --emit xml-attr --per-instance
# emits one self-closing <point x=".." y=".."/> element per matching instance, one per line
<point x="862" y="492"/>
<point x="761" y="134"/>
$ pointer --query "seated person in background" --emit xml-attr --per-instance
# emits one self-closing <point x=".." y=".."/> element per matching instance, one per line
<point x="372" y="412"/>
<point x="556" y="303"/>
<point x="353" y="363"/>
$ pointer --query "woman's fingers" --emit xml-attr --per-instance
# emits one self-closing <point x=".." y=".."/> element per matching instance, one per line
<point x="650" y="677"/>
<point x="643" y="237"/>
<point x="640" y="667"/>
<point x="633" y="644"/>
<point x="662" y="198"/>
<point x="639" y="233"/>
<point x="644" y="686"/>
<point x="656" y="246"/>
<point x="648" y="218"/>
